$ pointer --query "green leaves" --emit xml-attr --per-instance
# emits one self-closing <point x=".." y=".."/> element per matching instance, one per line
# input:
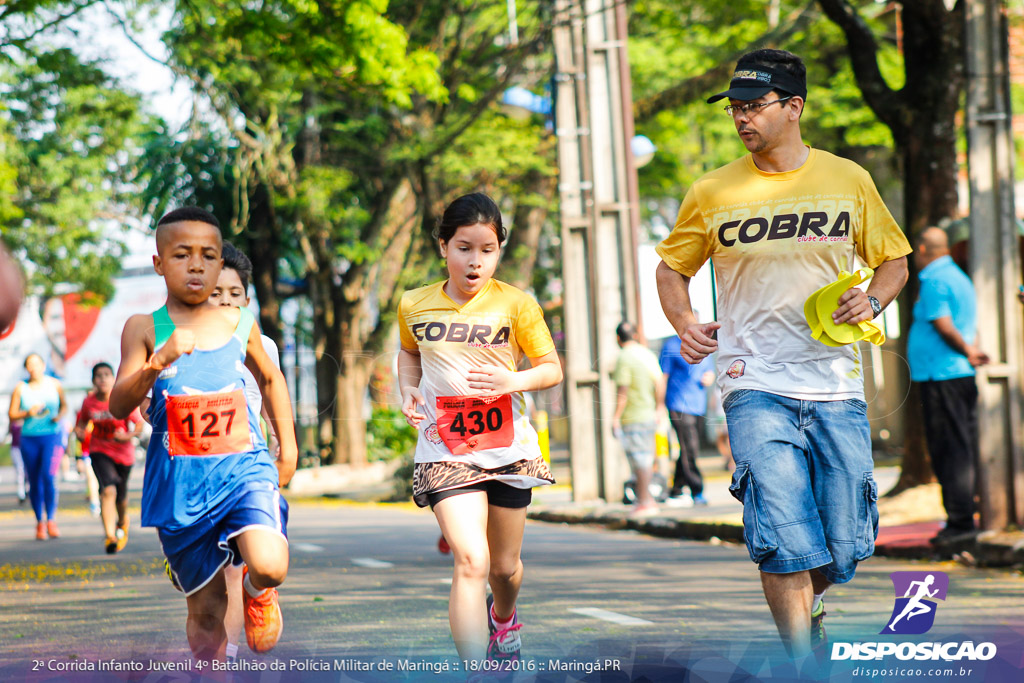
<point x="68" y="152"/>
<point x="673" y="45"/>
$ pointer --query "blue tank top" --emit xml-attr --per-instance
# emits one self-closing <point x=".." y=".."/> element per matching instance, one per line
<point x="203" y="449"/>
<point x="46" y="394"/>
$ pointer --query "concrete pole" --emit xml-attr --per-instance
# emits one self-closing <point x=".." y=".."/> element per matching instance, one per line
<point x="598" y="239"/>
<point x="994" y="265"/>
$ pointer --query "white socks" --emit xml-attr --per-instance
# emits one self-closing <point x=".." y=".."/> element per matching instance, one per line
<point x="502" y="624"/>
<point x="817" y="601"/>
<point x="231" y="650"/>
<point x="252" y="590"/>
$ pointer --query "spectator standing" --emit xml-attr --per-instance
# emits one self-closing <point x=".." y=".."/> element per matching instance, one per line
<point x="942" y="354"/>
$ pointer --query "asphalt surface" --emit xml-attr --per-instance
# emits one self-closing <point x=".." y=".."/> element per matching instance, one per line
<point x="368" y="588"/>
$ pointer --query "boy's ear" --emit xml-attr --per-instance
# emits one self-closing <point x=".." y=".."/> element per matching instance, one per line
<point x="158" y="264"/>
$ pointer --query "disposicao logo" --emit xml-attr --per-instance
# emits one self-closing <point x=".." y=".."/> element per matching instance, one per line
<point x="912" y="614"/>
<point x="916" y="593"/>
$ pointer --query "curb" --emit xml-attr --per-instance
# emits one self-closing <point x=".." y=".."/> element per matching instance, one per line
<point x="990" y="549"/>
<point x="663" y="527"/>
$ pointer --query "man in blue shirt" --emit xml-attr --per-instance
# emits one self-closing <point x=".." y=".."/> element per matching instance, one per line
<point x="686" y="400"/>
<point x="942" y="359"/>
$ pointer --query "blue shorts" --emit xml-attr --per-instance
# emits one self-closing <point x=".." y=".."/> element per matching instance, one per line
<point x="199" y="551"/>
<point x="804" y="474"/>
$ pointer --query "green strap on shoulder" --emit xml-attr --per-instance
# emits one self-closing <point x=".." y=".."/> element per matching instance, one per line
<point x="245" y="322"/>
<point x="163" y="327"/>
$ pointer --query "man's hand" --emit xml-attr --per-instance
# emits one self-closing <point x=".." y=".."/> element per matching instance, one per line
<point x="976" y="356"/>
<point x="180" y="343"/>
<point x="122" y="436"/>
<point x="854" y="307"/>
<point x="697" y="342"/>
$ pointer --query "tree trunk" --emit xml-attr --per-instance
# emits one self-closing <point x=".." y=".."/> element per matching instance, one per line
<point x="349" y="419"/>
<point x="922" y="118"/>
<point x="933" y="46"/>
<point x="357" y="331"/>
<point x="326" y="341"/>
<point x="262" y="239"/>
<point x="527" y="224"/>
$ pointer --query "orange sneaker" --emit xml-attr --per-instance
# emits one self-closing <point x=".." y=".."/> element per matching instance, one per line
<point x="51" y="528"/>
<point x="110" y="545"/>
<point x="122" y="537"/>
<point x="40" y="531"/>
<point x="263" y="621"/>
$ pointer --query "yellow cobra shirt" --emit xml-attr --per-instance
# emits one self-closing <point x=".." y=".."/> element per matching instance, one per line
<point x="498" y="326"/>
<point x="774" y="238"/>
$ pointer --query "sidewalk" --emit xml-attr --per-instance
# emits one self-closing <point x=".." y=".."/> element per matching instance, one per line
<point x="907" y="522"/>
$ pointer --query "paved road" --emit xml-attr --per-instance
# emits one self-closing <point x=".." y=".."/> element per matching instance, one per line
<point x="663" y="606"/>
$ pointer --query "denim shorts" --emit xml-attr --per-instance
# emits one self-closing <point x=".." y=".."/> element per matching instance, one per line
<point x="804" y="476"/>
<point x="638" y="441"/>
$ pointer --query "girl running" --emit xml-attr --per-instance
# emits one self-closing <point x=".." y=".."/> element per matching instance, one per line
<point x="40" y="403"/>
<point x="477" y="456"/>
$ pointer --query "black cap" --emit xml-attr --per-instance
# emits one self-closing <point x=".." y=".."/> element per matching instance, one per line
<point x="751" y="81"/>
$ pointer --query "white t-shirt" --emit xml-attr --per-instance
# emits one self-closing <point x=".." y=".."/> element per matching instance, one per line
<point x="774" y="239"/>
<point x="252" y="389"/>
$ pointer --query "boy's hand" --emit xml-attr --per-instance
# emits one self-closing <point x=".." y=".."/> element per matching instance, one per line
<point x="285" y="463"/>
<point x="180" y="343"/>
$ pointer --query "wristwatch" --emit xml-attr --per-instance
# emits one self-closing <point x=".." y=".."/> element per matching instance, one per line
<point x="876" y="307"/>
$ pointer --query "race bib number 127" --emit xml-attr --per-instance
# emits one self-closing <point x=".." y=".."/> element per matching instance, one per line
<point x="471" y="423"/>
<point x="208" y="424"/>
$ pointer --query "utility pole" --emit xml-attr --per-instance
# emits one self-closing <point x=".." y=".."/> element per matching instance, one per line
<point x="599" y="215"/>
<point x="994" y="265"/>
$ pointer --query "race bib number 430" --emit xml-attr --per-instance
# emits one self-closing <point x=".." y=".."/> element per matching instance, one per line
<point x="471" y="423"/>
<point x="208" y="424"/>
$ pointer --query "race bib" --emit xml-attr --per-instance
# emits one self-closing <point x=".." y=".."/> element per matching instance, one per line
<point x="471" y="423"/>
<point x="104" y="429"/>
<point x="208" y="424"/>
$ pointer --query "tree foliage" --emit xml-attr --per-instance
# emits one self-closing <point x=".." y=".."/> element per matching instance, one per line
<point x="349" y="125"/>
<point x="68" y="154"/>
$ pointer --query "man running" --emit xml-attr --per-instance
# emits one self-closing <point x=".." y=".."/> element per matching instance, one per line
<point x="779" y="223"/>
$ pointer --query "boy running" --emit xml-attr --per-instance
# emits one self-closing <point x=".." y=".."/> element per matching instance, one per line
<point x="211" y="489"/>
<point x="109" y="446"/>
<point x="233" y="290"/>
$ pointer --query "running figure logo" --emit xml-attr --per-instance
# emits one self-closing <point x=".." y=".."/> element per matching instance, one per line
<point x="916" y="592"/>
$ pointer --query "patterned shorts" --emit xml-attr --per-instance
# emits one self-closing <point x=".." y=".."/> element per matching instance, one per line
<point x="431" y="477"/>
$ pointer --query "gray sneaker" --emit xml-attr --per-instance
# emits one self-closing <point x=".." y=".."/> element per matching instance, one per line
<point x="505" y="644"/>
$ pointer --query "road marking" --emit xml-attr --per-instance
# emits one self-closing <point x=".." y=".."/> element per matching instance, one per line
<point x="614" y="617"/>
<point x="371" y="563"/>
<point x="307" y="547"/>
<point x="447" y="581"/>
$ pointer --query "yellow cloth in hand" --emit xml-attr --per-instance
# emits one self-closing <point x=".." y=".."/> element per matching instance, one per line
<point x="822" y="303"/>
